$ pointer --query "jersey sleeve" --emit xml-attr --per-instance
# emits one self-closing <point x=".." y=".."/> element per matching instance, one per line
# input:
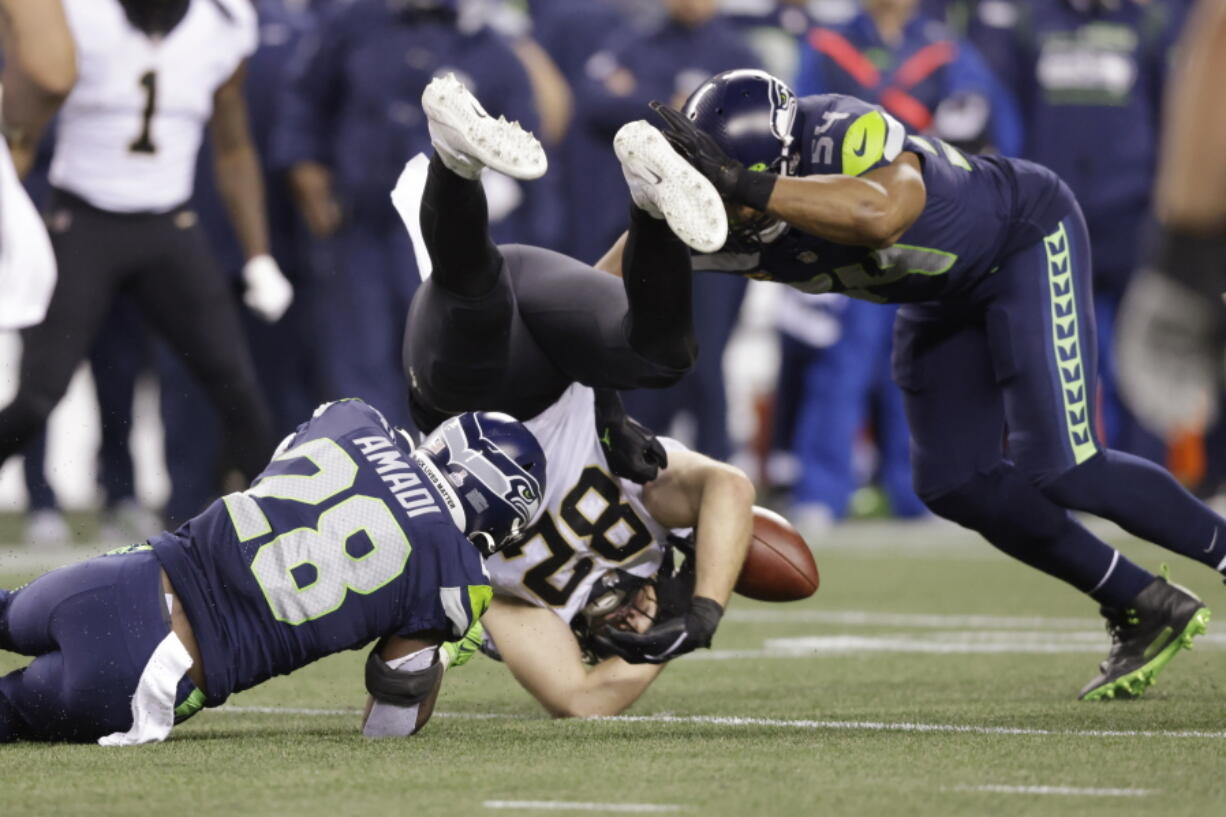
<point x="849" y="136"/>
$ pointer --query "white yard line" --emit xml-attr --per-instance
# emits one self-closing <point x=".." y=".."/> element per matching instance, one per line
<point x="561" y="805"/>
<point x="966" y="642"/>
<point x="734" y="721"/>
<point x="784" y="615"/>
<point x="1064" y="790"/>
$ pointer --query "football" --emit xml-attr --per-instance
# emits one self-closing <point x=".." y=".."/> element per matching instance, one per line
<point x="779" y="565"/>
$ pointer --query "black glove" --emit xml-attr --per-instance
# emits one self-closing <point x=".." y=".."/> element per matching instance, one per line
<point x="733" y="181"/>
<point x="668" y="639"/>
<point x="632" y="449"/>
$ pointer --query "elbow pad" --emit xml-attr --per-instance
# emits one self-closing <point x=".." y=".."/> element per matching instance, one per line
<point x="400" y="687"/>
<point x="403" y="698"/>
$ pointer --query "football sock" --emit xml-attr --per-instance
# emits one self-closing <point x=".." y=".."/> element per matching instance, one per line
<point x="1013" y="515"/>
<point x="1146" y="501"/>
<point x="455" y="227"/>
<point x="659" y="290"/>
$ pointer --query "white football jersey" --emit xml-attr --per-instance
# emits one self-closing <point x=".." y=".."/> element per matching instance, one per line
<point x="130" y="130"/>
<point x="27" y="264"/>
<point x="593" y="521"/>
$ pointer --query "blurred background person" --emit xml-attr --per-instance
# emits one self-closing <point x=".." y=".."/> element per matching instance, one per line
<point x="1172" y="335"/>
<point x="285" y="353"/>
<point x="121" y="218"/>
<point x="1090" y="76"/>
<point x="349" y="120"/>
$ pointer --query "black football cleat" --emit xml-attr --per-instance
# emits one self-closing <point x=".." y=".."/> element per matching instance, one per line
<point x="1162" y="620"/>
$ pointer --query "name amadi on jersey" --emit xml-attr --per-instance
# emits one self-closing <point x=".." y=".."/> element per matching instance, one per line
<point x="594" y="522"/>
<point x="130" y="130"/>
<point x="341" y="540"/>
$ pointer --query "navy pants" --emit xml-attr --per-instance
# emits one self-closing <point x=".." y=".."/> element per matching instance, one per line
<point x="1014" y="362"/>
<point x="91" y="628"/>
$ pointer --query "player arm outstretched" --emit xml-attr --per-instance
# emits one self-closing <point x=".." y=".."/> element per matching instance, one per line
<point x="717" y="501"/>
<point x="403" y="677"/>
<point x="872" y="204"/>
<point x="543" y="655"/>
<point x="240" y="181"/>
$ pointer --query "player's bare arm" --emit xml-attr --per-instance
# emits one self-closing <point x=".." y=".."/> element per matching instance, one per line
<point x="39" y="71"/>
<point x="543" y="655"/>
<point x="717" y="501"/>
<point x="872" y="210"/>
<point x="237" y="166"/>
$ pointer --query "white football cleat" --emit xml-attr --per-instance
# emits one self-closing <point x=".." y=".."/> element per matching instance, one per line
<point x="664" y="184"/>
<point x="468" y="139"/>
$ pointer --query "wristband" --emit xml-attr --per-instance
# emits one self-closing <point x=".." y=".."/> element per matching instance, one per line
<point x="754" y="188"/>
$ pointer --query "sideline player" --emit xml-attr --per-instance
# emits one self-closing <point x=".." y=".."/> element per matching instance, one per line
<point x="512" y="328"/>
<point x="349" y="535"/>
<point x="39" y="71"/>
<point x="990" y="260"/>
<point x="153" y="73"/>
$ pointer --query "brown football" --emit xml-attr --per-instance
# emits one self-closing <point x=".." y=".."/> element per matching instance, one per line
<point x="779" y="565"/>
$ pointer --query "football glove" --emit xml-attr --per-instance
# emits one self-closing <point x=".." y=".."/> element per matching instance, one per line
<point x="459" y="653"/>
<point x="732" y="179"/>
<point x="668" y="639"/>
<point x="268" y="293"/>
<point x="632" y="449"/>
<point x="1171" y="334"/>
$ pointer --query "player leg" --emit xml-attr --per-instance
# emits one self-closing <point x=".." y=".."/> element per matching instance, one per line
<point x="92" y="627"/>
<point x="957" y="424"/>
<point x="86" y="244"/>
<point x="1041" y="333"/>
<point x="185" y="296"/>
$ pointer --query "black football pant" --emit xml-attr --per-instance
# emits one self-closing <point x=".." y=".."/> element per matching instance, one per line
<point x="509" y="328"/>
<point x="163" y="261"/>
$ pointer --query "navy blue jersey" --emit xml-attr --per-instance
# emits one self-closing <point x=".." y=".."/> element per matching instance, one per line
<point x="340" y="541"/>
<point x="978" y="210"/>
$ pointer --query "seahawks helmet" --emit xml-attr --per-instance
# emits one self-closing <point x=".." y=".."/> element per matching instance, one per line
<point x="752" y="116"/>
<point x="490" y="470"/>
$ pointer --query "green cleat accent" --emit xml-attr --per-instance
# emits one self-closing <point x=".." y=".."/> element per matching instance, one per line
<point x="1163" y="648"/>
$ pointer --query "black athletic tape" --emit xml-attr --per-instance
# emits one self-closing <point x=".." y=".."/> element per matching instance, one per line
<point x="398" y="687"/>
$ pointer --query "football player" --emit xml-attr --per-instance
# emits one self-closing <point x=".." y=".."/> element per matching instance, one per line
<point x="996" y="336"/>
<point x="39" y="71"/>
<point x="515" y="328"/>
<point x="152" y="75"/>
<point x="349" y="535"/>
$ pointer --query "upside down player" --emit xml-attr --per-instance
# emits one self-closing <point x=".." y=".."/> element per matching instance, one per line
<point x="348" y="536"/>
<point x="990" y="260"/>
<point x="525" y="330"/>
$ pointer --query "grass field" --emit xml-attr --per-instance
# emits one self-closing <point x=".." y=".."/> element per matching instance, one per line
<point x="928" y="676"/>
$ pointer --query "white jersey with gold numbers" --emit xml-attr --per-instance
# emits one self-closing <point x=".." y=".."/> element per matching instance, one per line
<point x="130" y="130"/>
<point x="594" y="521"/>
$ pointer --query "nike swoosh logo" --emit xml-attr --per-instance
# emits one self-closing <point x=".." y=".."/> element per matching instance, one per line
<point x="1212" y="542"/>
<point x="863" y="144"/>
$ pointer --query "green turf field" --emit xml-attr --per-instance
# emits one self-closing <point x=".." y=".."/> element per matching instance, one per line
<point x="928" y="676"/>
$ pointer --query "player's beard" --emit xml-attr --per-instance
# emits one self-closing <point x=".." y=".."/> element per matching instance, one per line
<point x="155" y="17"/>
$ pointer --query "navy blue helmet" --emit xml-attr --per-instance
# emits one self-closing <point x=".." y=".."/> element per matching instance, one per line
<point x="752" y="115"/>
<point x="491" y="471"/>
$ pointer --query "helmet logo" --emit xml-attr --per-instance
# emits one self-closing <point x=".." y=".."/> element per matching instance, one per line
<point x="510" y="482"/>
